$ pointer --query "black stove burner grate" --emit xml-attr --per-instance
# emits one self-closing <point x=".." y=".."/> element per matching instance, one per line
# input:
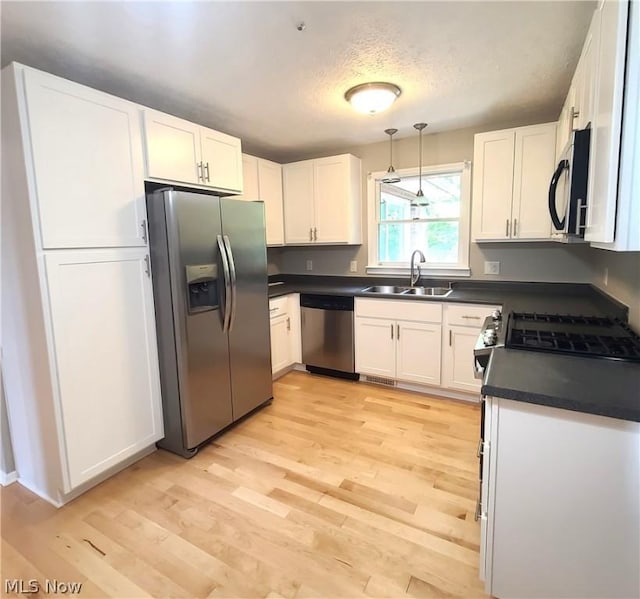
<point x="575" y="343"/>
<point x="598" y="321"/>
<point x="591" y="336"/>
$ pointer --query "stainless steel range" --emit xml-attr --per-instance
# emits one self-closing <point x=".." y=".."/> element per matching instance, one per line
<point x="587" y="336"/>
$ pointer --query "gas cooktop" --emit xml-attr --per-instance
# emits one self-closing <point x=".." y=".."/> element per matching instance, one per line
<point x="592" y="336"/>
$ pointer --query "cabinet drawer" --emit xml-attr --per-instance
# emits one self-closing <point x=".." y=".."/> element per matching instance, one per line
<point x="421" y="311"/>
<point x="278" y="306"/>
<point x="467" y="315"/>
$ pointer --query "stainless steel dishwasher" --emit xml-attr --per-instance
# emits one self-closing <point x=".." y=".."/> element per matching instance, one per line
<point x="327" y="335"/>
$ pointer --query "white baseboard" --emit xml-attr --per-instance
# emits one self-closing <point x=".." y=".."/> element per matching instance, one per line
<point x="6" y="478"/>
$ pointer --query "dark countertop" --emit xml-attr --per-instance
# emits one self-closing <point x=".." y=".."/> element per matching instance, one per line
<point x="574" y="298"/>
<point x="595" y="386"/>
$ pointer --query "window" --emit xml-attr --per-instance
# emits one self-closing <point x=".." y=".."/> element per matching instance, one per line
<point x="437" y="223"/>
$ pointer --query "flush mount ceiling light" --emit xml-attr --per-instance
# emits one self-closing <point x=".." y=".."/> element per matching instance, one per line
<point x="372" y="97"/>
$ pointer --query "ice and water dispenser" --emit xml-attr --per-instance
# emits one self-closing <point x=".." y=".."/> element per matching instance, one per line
<point x="202" y="287"/>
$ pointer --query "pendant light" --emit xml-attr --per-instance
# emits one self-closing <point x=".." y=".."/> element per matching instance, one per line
<point x="419" y="194"/>
<point x="391" y="172"/>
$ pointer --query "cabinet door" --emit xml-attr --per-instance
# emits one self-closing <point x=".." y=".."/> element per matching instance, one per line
<point x="295" y="328"/>
<point x="87" y="157"/>
<point x="493" y="155"/>
<point x="280" y="347"/>
<point x="585" y="90"/>
<point x="173" y="148"/>
<point x="534" y="166"/>
<point x="606" y="127"/>
<point x="221" y="160"/>
<point x="375" y="347"/>
<point x="331" y="199"/>
<point x="565" y="122"/>
<point x="418" y="353"/>
<point x="250" y="186"/>
<point x="270" y="176"/>
<point x="108" y="380"/>
<point x="298" y="202"/>
<point x="457" y="359"/>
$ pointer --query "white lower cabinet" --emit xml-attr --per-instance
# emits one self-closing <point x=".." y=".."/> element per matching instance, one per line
<point x="418" y="353"/>
<point x="286" y="343"/>
<point x="104" y="342"/>
<point x="280" y="346"/>
<point x="462" y="327"/>
<point x="404" y="350"/>
<point x="375" y="347"/>
<point x="560" y="511"/>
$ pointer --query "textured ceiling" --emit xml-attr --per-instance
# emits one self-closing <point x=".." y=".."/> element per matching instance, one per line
<point x="244" y="68"/>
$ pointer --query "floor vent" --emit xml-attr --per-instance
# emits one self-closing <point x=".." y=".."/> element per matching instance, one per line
<point x="380" y="380"/>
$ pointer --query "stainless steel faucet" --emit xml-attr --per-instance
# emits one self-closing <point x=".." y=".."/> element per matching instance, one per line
<point x="415" y="268"/>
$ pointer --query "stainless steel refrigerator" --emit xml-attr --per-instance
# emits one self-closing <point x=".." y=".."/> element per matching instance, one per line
<point x="209" y="266"/>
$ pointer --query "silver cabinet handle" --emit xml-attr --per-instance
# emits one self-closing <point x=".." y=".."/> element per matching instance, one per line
<point x="273" y="309"/>
<point x="471" y="317"/>
<point x="227" y="285"/>
<point x="200" y="175"/>
<point x="515" y="227"/>
<point x="144" y="231"/>
<point x="397" y="331"/>
<point x="147" y="268"/>
<point x="206" y="172"/>
<point x="310" y="234"/>
<point x="234" y="291"/>
<point x="315" y="234"/>
<point x="288" y="323"/>
<point x="450" y="336"/>
<point x="391" y="330"/>
<point x="507" y="232"/>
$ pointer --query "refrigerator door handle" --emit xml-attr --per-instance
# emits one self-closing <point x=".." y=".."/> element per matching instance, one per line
<point x="227" y="286"/>
<point x="232" y="265"/>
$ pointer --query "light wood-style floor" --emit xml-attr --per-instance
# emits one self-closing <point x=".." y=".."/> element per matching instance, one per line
<point x="337" y="489"/>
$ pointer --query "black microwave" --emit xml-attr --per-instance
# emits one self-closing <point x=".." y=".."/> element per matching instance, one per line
<point x="568" y="187"/>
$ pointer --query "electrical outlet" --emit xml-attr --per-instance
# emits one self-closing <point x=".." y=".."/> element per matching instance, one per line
<point x="605" y="278"/>
<point x="353" y="267"/>
<point x="492" y="268"/>
<point x="309" y="264"/>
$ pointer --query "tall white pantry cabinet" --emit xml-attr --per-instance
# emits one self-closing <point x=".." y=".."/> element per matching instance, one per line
<point x="79" y="353"/>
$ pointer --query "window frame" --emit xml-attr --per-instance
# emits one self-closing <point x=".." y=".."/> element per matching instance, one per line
<point x="459" y="269"/>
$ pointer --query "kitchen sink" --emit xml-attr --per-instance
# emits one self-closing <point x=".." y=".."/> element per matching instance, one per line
<point x="385" y="289"/>
<point x="395" y="290"/>
<point x="433" y="291"/>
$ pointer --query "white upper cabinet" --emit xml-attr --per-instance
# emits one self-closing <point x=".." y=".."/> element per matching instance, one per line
<point x="607" y="122"/>
<point x="534" y="161"/>
<point x="108" y="381"/>
<point x="493" y="155"/>
<point x="323" y="201"/>
<point x="87" y="164"/>
<point x="183" y="152"/>
<point x="512" y="170"/>
<point x="173" y="148"/>
<point x="250" y="183"/>
<point x="297" y="179"/>
<point x="221" y="160"/>
<point x="262" y="180"/>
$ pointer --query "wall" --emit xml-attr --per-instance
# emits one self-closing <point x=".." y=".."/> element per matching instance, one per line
<point x="521" y="262"/>
<point x="623" y="279"/>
